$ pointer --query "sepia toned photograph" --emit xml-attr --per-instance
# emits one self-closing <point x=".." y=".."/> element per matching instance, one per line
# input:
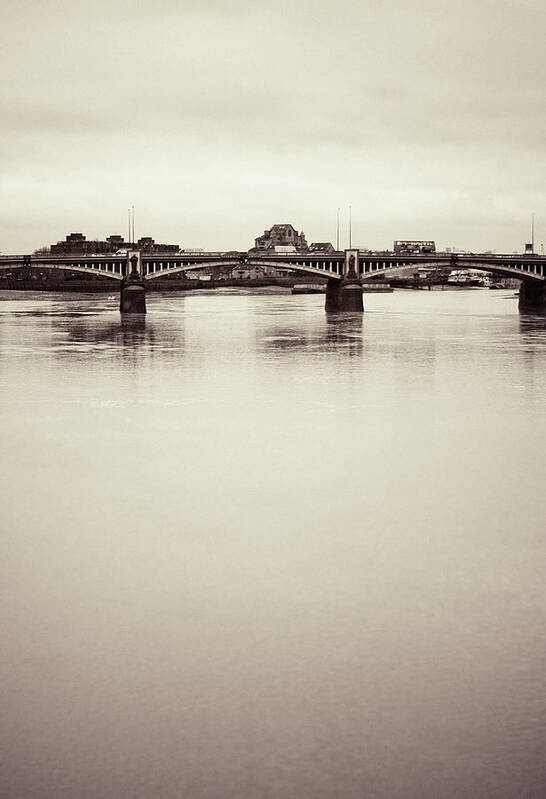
<point x="272" y="399"/>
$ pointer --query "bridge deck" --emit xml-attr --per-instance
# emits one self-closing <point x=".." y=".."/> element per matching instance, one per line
<point x="325" y="265"/>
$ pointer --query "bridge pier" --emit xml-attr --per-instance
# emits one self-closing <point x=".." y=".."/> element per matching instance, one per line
<point x="532" y="296"/>
<point x="132" y="293"/>
<point x="351" y="296"/>
<point x="333" y="295"/>
<point x="346" y="294"/>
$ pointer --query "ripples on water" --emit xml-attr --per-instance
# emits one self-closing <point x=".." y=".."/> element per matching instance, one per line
<point x="253" y="550"/>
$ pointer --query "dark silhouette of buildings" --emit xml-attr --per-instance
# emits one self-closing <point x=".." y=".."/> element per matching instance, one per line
<point x="77" y="244"/>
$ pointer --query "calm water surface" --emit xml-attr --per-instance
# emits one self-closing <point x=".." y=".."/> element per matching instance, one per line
<point x="250" y="551"/>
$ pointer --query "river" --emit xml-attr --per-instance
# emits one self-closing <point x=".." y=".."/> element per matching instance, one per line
<point x="252" y="551"/>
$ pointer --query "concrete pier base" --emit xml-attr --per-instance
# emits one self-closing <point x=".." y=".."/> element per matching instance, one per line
<point x="132" y="296"/>
<point x="351" y="296"/>
<point x="333" y="297"/>
<point x="532" y="296"/>
<point x="344" y="295"/>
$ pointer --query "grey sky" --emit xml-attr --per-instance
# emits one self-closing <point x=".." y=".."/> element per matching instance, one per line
<point x="218" y="120"/>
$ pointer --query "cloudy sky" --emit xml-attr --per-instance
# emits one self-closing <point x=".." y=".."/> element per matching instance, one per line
<point x="217" y="119"/>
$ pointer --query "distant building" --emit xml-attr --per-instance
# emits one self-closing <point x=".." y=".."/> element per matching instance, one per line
<point x="282" y="235"/>
<point x="148" y="245"/>
<point x="116" y="241"/>
<point x="414" y="247"/>
<point x="322" y="246"/>
<point x="77" y="244"/>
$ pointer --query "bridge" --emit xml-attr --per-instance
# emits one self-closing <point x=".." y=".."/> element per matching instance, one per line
<point x="344" y="272"/>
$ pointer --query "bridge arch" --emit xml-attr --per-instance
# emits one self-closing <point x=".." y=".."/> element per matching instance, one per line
<point x="100" y="269"/>
<point x="232" y="264"/>
<point x="185" y="267"/>
<point x="503" y="270"/>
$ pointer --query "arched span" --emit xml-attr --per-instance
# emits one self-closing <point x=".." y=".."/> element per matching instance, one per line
<point x="291" y="267"/>
<point x="64" y="267"/>
<point x="502" y="270"/>
<point x="524" y="272"/>
<point x="180" y="268"/>
<point x="295" y="267"/>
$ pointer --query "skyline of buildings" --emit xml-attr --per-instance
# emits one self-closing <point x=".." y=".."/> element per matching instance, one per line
<point x="78" y="244"/>
<point x="279" y="237"/>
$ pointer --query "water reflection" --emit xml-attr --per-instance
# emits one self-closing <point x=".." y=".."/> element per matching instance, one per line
<point x="240" y="562"/>
<point x="133" y="336"/>
<point x="532" y="327"/>
<point x="128" y="331"/>
<point x="59" y="332"/>
<point x="345" y="331"/>
<point x="325" y="333"/>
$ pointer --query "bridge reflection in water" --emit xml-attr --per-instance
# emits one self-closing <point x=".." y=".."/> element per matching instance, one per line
<point x="344" y="272"/>
<point x="334" y="333"/>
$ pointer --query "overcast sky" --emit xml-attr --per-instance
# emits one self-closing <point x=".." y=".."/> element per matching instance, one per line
<point x="217" y="119"/>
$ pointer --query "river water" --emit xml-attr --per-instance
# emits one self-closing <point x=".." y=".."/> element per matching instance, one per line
<point x="252" y="551"/>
